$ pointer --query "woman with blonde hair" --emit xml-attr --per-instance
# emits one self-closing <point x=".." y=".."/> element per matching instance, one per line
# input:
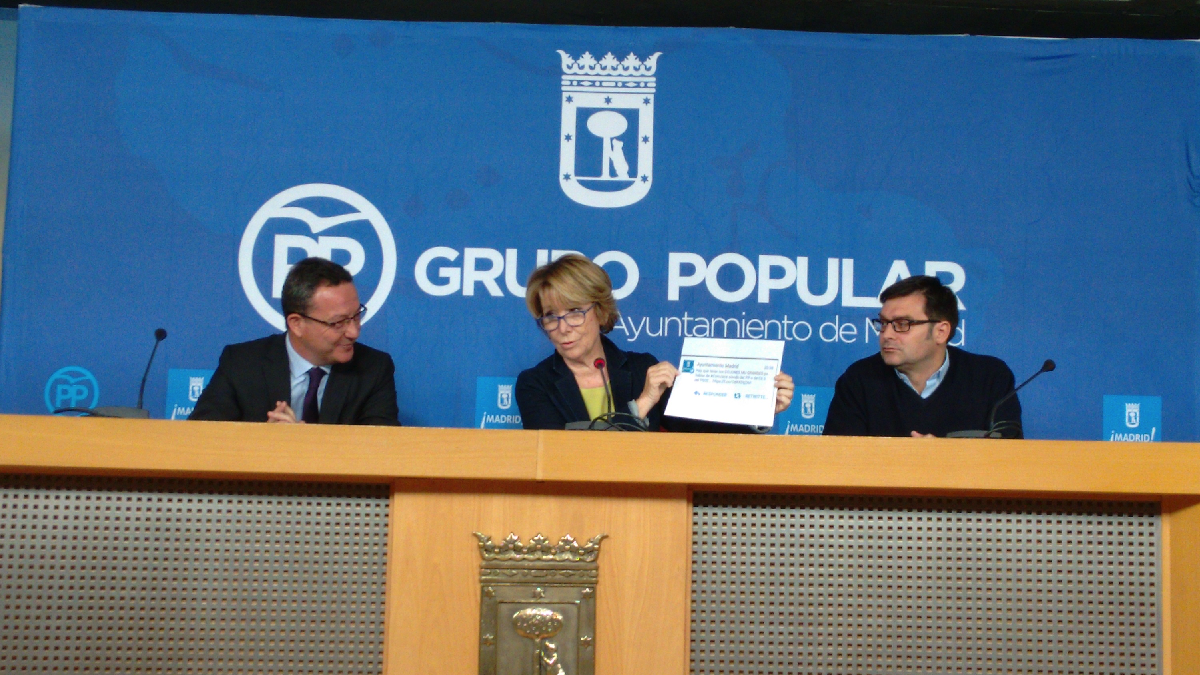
<point x="571" y="300"/>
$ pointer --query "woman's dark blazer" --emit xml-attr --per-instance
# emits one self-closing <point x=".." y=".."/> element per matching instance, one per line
<point x="549" y="398"/>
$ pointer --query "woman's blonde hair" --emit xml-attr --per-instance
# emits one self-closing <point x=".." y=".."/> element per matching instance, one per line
<point x="575" y="281"/>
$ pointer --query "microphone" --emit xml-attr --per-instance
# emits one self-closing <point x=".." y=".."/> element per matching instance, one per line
<point x="126" y="412"/>
<point x="612" y="420"/>
<point x="993" y="431"/>
<point x="160" y="334"/>
<point x="599" y="364"/>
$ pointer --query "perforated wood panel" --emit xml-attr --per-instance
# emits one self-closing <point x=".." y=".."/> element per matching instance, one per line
<point x="101" y="575"/>
<point x="832" y="584"/>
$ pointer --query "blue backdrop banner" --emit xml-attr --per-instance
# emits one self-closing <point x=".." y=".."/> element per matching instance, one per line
<point x="168" y="169"/>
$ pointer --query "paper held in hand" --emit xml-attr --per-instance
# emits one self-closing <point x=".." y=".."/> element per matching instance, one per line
<point x="729" y="381"/>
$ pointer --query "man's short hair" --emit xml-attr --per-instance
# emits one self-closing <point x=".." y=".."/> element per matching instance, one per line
<point x="575" y="281"/>
<point x="305" y="278"/>
<point x="940" y="302"/>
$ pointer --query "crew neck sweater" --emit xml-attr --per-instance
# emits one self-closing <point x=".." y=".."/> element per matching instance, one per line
<point x="869" y="400"/>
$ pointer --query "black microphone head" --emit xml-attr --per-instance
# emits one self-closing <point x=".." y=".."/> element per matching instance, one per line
<point x="599" y="364"/>
<point x="1049" y="365"/>
<point x="160" y="334"/>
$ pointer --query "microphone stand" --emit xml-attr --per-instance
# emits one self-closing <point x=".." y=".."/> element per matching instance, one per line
<point x="611" y="420"/>
<point x="120" y="411"/>
<point x="600" y="365"/>
<point x="997" y="430"/>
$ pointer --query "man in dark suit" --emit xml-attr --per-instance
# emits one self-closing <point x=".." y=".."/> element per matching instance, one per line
<point x="316" y="372"/>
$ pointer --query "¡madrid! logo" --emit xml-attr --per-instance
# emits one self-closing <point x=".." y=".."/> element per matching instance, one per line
<point x="352" y="208"/>
<point x="606" y="148"/>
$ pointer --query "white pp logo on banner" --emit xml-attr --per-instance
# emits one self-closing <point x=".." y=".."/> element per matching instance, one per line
<point x="321" y="246"/>
<point x="599" y="100"/>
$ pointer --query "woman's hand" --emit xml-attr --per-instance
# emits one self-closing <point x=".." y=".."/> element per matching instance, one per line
<point x="785" y="388"/>
<point x="659" y="378"/>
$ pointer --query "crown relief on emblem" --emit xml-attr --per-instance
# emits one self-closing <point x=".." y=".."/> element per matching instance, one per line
<point x="609" y="65"/>
<point x="539" y="548"/>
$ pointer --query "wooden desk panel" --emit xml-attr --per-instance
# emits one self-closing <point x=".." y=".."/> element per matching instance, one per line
<point x="156" y="447"/>
<point x="642" y="609"/>
<point x="262" y="451"/>
<point x="448" y="482"/>
<point x="874" y="464"/>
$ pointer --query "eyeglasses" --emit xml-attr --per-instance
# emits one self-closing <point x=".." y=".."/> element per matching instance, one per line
<point x="900" y="325"/>
<point x="574" y="319"/>
<point x="341" y="324"/>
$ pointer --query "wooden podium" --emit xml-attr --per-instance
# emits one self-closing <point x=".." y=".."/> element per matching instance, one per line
<point x="637" y="488"/>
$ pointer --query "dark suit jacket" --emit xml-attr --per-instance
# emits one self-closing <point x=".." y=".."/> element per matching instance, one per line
<point x="252" y="376"/>
<point x="549" y="397"/>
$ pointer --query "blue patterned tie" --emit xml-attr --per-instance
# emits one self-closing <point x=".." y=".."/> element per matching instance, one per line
<point x="311" y="413"/>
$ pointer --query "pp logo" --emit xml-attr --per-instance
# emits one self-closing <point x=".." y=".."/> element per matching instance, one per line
<point x="72" y="387"/>
<point x="606" y="146"/>
<point x="298" y="217"/>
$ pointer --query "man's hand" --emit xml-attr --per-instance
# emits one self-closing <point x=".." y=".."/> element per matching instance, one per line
<point x="283" y="413"/>
<point x="917" y="434"/>
<point x="785" y="389"/>
<point x="659" y="377"/>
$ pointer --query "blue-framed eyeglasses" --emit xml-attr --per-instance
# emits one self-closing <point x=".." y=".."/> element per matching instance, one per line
<point x="574" y="319"/>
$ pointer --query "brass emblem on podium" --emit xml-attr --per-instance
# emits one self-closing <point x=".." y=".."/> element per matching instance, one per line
<point x="537" y="609"/>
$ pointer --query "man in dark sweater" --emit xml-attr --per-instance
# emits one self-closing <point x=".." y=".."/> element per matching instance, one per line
<point x="918" y="385"/>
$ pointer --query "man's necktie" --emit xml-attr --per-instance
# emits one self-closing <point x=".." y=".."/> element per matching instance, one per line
<point x="311" y="414"/>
